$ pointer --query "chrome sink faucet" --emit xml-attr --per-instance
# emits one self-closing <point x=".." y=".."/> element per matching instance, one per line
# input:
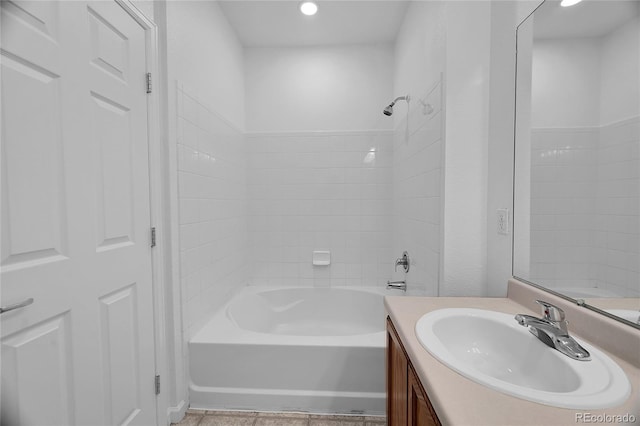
<point x="551" y="329"/>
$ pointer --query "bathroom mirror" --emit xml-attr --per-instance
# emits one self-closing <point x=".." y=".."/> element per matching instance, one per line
<point x="577" y="166"/>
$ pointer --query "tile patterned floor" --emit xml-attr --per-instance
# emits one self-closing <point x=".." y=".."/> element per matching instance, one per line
<point x="244" y="418"/>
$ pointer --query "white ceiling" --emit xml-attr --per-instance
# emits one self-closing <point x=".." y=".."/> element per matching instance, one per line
<point x="280" y="24"/>
<point x="590" y="18"/>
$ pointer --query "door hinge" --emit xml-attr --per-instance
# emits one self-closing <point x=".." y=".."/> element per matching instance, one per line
<point x="153" y="237"/>
<point x="157" y="382"/>
<point x="148" y="82"/>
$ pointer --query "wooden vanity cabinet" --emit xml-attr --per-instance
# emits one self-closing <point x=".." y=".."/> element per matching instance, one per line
<point x="397" y="379"/>
<point x="407" y="401"/>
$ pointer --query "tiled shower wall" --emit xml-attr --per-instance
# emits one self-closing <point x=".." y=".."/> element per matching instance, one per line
<point x="417" y="192"/>
<point x="254" y="207"/>
<point x="320" y="191"/>
<point x="563" y="175"/>
<point x="616" y="252"/>
<point x="212" y="215"/>
<point x="585" y="207"/>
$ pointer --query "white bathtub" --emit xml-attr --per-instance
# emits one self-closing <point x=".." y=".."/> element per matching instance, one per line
<point x="293" y="349"/>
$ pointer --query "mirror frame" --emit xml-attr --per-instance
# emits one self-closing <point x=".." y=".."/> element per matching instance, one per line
<point x="579" y="302"/>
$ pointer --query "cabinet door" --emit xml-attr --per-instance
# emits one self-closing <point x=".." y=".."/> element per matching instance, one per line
<point x="396" y="379"/>
<point x="420" y="411"/>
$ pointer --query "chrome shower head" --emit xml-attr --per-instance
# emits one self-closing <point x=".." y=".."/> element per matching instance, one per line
<point x="389" y="109"/>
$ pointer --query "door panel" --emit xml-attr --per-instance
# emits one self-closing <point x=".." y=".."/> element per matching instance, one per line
<point x="32" y="166"/>
<point x="109" y="47"/>
<point x="75" y="216"/>
<point x="115" y="221"/>
<point x="120" y="351"/>
<point x="42" y="387"/>
<point x="32" y="29"/>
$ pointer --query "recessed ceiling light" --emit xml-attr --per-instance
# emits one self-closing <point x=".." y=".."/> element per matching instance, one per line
<point x="308" y="8"/>
<point x="567" y="3"/>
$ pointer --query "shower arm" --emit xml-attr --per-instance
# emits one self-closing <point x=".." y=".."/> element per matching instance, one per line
<point x="400" y="98"/>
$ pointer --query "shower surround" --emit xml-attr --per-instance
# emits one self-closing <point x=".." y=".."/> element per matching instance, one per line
<point x="584" y="207"/>
<point x="212" y="208"/>
<point x="254" y="206"/>
<point x="320" y="191"/>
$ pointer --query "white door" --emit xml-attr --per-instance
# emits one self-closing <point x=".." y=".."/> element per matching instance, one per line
<point x="75" y="216"/>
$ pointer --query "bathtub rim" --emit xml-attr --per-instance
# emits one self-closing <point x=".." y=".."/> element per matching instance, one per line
<point x="221" y="329"/>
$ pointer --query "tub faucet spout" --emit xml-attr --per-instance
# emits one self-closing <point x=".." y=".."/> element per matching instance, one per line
<point x="398" y="285"/>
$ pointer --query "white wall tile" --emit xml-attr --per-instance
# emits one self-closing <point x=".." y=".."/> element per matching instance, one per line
<point x="586" y="192"/>
<point x="416" y="194"/>
<point x="310" y="191"/>
<point x="212" y="198"/>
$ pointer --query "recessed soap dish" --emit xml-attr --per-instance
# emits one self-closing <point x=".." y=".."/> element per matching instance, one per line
<point x="321" y="258"/>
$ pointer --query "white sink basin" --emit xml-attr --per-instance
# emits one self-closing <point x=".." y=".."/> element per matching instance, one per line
<point x="492" y="349"/>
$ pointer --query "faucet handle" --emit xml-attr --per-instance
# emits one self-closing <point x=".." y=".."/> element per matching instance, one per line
<point x="403" y="261"/>
<point x="551" y="312"/>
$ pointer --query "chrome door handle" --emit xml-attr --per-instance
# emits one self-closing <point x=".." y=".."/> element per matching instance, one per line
<point x="16" y="306"/>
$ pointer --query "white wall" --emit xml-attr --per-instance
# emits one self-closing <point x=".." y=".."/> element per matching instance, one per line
<point x="418" y="149"/>
<point x="466" y="148"/>
<point x="617" y="239"/>
<point x="472" y="44"/>
<point x="620" y="86"/>
<point x="205" y="53"/>
<point x="504" y="18"/>
<point x="215" y="70"/>
<point x="419" y="50"/>
<point x="318" y="88"/>
<point x="556" y="169"/>
<point x="565" y="99"/>
<point x="565" y="89"/>
<point x="589" y="81"/>
<point x="584" y="162"/>
<point x="455" y="38"/>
